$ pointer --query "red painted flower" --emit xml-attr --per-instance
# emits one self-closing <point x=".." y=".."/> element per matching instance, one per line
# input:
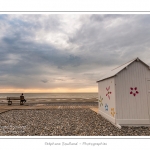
<point x="134" y="91"/>
<point x="108" y="92"/>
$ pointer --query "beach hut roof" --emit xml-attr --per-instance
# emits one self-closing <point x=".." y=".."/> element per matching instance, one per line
<point x="120" y="68"/>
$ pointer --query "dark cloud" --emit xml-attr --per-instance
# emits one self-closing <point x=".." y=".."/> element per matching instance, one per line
<point x="111" y="40"/>
<point x="44" y="80"/>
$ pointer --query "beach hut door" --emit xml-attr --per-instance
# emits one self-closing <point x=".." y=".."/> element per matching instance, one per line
<point x="148" y="94"/>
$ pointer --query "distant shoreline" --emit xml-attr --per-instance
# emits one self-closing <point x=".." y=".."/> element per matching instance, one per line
<point x="54" y="93"/>
<point x="3" y="101"/>
<point x="34" y="96"/>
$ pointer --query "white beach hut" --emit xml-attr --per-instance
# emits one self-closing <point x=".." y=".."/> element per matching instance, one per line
<point x="124" y="94"/>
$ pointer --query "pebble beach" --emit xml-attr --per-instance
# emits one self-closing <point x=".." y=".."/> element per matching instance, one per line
<point x="62" y="122"/>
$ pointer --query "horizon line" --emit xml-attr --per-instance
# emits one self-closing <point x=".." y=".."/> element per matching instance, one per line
<point x="49" y="92"/>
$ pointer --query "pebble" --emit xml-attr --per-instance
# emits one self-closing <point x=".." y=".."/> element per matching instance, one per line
<point x="62" y="122"/>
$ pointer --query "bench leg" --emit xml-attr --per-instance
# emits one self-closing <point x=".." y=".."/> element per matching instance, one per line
<point x="21" y="102"/>
<point x="9" y="102"/>
<point x="24" y="101"/>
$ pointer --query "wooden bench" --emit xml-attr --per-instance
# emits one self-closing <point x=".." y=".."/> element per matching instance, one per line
<point x="22" y="101"/>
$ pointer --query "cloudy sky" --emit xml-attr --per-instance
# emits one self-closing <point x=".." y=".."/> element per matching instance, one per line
<point x="65" y="52"/>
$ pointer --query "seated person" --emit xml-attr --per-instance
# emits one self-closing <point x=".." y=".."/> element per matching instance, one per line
<point x="22" y="98"/>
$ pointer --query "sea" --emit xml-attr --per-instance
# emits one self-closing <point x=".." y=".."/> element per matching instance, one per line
<point x="51" y="95"/>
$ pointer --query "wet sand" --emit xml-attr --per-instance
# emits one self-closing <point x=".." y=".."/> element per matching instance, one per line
<point x="48" y="103"/>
